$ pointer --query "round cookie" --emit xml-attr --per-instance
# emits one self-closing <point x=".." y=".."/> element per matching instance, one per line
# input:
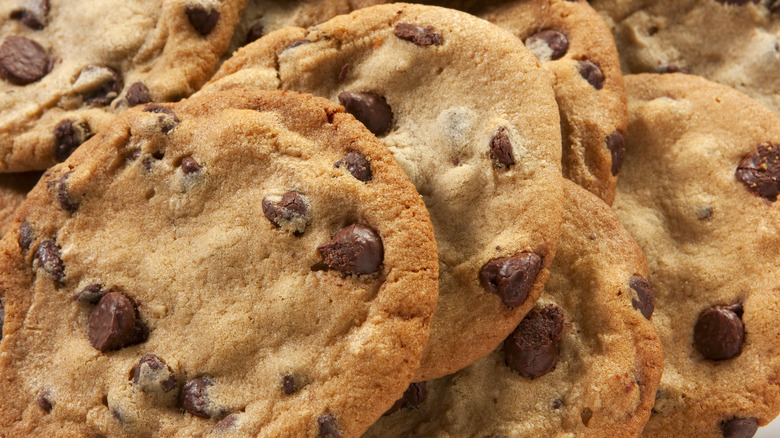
<point x="699" y="193"/>
<point x="432" y="84"/>
<point x="741" y="36"/>
<point x="13" y="191"/>
<point x="67" y="68"/>
<point x="585" y="362"/>
<point x="217" y="267"/>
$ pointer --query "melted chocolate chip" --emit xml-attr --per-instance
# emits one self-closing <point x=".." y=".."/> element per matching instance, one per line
<point x="532" y="349"/>
<point x="739" y="427"/>
<point x="202" y="21"/>
<point x="511" y="278"/>
<point x="48" y="255"/>
<point x="194" y="397"/>
<point x="91" y="294"/>
<point x="137" y="94"/>
<point x="33" y="15"/>
<point x="356" y="249"/>
<point x="288" y="384"/>
<point x="592" y="73"/>
<point x="168" y="119"/>
<point x="371" y="110"/>
<point x="22" y="60"/>
<point x="25" y="236"/>
<point x="719" y="332"/>
<point x="413" y="397"/>
<point x="61" y="192"/>
<point x="152" y="374"/>
<point x="646" y="302"/>
<point x="44" y="401"/>
<point x="421" y="36"/>
<point x="327" y="427"/>
<point x="69" y="135"/>
<point x="114" y="323"/>
<point x="586" y="415"/>
<point x="290" y="213"/>
<point x="760" y="171"/>
<point x="617" y="148"/>
<point x="189" y="166"/>
<point x="255" y="32"/>
<point x="98" y="84"/>
<point x="357" y="165"/>
<point x="548" y="45"/>
<point x="501" y="148"/>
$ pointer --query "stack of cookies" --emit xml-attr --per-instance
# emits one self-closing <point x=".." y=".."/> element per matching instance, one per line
<point x="385" y="220"/>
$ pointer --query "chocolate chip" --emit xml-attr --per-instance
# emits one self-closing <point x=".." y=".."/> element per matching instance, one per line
<point x="194" y="397"/>
<point x="356" y="249"/>
<point x="98" y="84"/>
<point x="422" y="36"/>
<point x="739" y="427"/>
<point x="617" y="148"/>
<point x="61" y="192"/>
<point x="532" y="349"/>
<point x="91" y="294"/>
<point x="202" y="20"/>
<point x="297" y="43"/>
<point x="511" y="278"/>
<point x="357" y="165"/>
<point x="69" y="135"/>
<point x="168" y="119"/>
<point x="328" y="427"/>
<point x="646" y="302"/>
<point x="33" y="15"/>
<point x="48" y="255"/>
<point x="586" y="415"/>
<point x="288" y="384"/>
<point x="501" y="148"/>
<point x="760" y="171"/>
<point x="290" y="213"/>
<point x="152" y="374"/>
<point x="44" y="400"/>
<point x="226" y="423"/>
<point x="734" y="2"/>
<point x="413" y="397"/>
<point x="548" y="45"/>
<point x="344" y="71"/>
<point x="2" y="317"/>
<point x="557" y="403"/>
<point x="719" y="332"/>
<point x="25" y="236"/>
<point x="22" y="60"/>
<point x="370" y="109"/>
<point x="671" y="68"/>
<point x="592" y="73"/>
<point x="774" y="6"/>
<point x="137" y="94"/>
<point x="189" y="165"/>
<point x="114" y="323"/>
<point x="255" y="32"/>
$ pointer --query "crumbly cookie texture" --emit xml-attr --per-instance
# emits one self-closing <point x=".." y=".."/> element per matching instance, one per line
<point x="214" y="268"/>
<point x="68" y="67"/>
<point x="13" y="191"/>
<point x="585" y="362"/>
<point x="699" y="193"/>
<point x="432" y="84"/>
<point x="666" y="36"/>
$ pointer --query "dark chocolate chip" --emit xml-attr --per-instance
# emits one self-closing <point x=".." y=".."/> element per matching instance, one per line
<point x="760" y="171"/>
<point x="61" y="192"/>
<point x="370" y="109"/>
<point x="344" y="71"/>
<point x="114" y="323"/>
<point x="422" y="36"/>
<point x="194" y="397"/>
<point x="532" y="349"/>
<point x="586" y="415"/>
<point x="288" y="384"/>
<point x="501" y="148"/>
<point x="592" y="73"/>
<point x="189" y="165"/>
<point x="617" y="148"/>
<point x="69" y="135"/>
<point x="357" y="165"/>
<point x="413" y="397"/>
<point x="255" y="32"/>
<point x="44" y="400"/>
<point x="152" y="374"/>
<point x="511" y="278"/>
<point x="33" y="15"/>
<point x="168" y="119"/>
<point x="646" y="302"/>
<point x="297" y="43"/>
<point x="327" y="427"/>
<point x="137" y="94"/>
<point x="719" y="332"/>
<point x="22" y="60"/>
<point x="735" y="2"/>
<point x="25" y="236"/>
<point x="356" y="249"/>
<point x="91" y="294"/>
<point x="226" y="423"/>
<point x="774" y="6"/>
<point x="290" y="213"/>
<point x="48" y="255"/>
<point x="202" y="20"/>
<point x="739" y="427"/>
<point x="2" y="317"/>
<point x="548" y="45"/>
<point x="99" y="84"/>
<point x="557" y="403"/>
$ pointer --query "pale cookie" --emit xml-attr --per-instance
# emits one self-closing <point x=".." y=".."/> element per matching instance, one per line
<point x="433" y="84"/>
<point x="699" y="193"/>
<point x="244" y="264"/>
<point x="13" y="191"/>
<point x="67" y="68"/>
<point x="585" y="362"/>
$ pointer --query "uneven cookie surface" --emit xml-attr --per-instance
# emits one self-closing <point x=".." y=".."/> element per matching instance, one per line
<point x="13" y="191"/>
<point x="699" y="193"/>
<point x="432" y="84"/>
<point x="216" y="267"/>
<point x="585" y="362"/>
<point x="67" y="67"/>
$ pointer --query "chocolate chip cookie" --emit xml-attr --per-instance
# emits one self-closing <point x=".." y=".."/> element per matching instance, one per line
<point x="432" y="84"/>
<point x="13" y="191"/>
<point x="244" y="264"/>
<point x="585" y="362"/>
<point x="68" y="67"/>
<point x="699" y="192"/>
